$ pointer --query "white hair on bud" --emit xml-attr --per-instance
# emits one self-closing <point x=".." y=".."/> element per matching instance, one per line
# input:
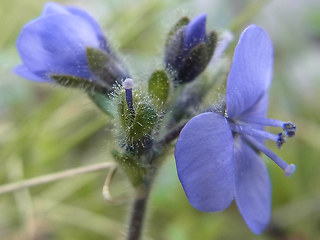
<point x="222" y="45"/>
<point x="128" y="83"/>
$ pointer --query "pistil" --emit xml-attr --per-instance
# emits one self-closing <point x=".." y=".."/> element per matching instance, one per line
<point x="127" y="85"/>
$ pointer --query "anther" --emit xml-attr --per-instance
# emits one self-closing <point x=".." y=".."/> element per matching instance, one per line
<point x="282" y="138"/>
<point x="290" y="128"/>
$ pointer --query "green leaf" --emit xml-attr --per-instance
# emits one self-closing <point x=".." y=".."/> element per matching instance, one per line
<point x="174" y="51"/>
<point x="145" y="120"/>
<point x="79" y="83"/>
<point x="97" y="60"/>
<point x="135" y="171"/>
<point x="102" y="101"/>
<point x="212" y="39"/>
<point x="196" y="61"/>
<point x="181" y="23"/>
<point x="159" y="87"/>
<point x="106" y="67"/>
<point x="174" y="43"/>
<point x="137" y="127"/>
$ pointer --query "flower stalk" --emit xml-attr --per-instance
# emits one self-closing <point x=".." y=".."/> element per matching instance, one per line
<point x="138" y="213"/>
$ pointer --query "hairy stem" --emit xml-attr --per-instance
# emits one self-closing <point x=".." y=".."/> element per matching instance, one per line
<point x="138" y="214"/>
<point x="171" y="135"/>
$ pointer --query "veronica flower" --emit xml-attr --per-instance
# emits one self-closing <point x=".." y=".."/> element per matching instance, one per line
<point x="55" y="44"/>
<point x="217" y="156"/>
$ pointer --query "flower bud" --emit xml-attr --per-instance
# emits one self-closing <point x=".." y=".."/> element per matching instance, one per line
<point x="66" y="45"/>
<point x="189" y="49"/>
<point x="195" y="33"/>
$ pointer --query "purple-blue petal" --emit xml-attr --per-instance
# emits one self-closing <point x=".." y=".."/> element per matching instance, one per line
<point x="24" y="72"/>
<point x="251" y="71"/>
<point x="204" y="159"/>
<point x="56" y="44"/>
<point x="259" y="109"/>
<point x="54" y="8"/>
<point x="195" y="32"/>
<point x="253" y="188"/>
<point x="51" y="8"/>
<point x="99" y="33"/>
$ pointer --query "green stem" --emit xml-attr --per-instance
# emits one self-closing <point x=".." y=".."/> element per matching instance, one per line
<point x="138" y="214"/>
<point x="53" y="177"/>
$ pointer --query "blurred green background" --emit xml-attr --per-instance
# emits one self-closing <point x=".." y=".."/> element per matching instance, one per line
<point x="44" y="128"/>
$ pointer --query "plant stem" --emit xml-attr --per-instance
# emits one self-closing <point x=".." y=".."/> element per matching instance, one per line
<point x="54" y="177"/>
<point x="171" y="135"/>
<point x="138" y="214"/>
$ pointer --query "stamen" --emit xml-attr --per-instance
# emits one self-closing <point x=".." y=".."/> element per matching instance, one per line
<point x="247" y="130"/>
<point x="127" y="85"/>
<point x="290" y="128"/>
<point x="282" y="138"/>
<point x="288" y="168"/>
<point x="263" y="121"/>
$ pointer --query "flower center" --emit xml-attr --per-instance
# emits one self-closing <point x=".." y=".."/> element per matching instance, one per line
<point x="249" y="129"/>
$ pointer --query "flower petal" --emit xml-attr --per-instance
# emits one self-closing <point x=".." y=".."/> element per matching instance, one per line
<point x="204" y="159"/>
<point x="78" y="12"/>
<point x="56" y="44"/>
<point x="253" y="188"/>
<point x="259" y="109"/>
<point x="251" y="71"/>
<point x="24" y="72"/>
<point x="53" y="8"/>
<point x="195" y="32"/>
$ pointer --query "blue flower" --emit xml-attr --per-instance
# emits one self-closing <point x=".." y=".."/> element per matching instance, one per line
<point x="189" y="49"/>
<point x="217" y="156"/>
<point x="195" y="33"/>
<point x="56" y="42"/>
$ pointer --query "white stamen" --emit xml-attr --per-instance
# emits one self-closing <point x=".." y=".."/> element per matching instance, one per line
<point x="226" y="39"/>
<point x="128" y="83"/>
<point x="289" y="170"/>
